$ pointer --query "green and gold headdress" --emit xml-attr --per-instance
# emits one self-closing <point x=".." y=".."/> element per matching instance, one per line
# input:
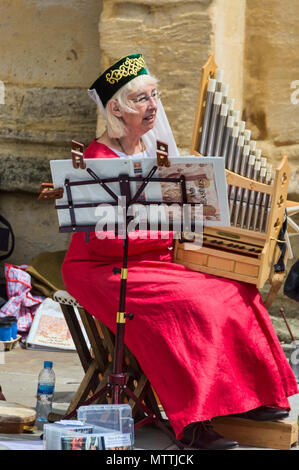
<point x="118" y="75"/>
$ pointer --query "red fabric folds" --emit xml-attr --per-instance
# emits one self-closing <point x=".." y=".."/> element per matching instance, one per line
<point x="206" y="344"/>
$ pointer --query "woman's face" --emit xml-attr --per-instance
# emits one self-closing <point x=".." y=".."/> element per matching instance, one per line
<point x="146" y="104"/>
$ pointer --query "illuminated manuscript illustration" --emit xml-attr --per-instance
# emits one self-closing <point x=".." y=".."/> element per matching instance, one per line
<point x="200" y="187"/>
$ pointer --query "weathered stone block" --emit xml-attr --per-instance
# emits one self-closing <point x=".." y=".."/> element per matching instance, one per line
<point x="35" y="225"/>
<point x="271" y="61"/>
<point x="49" y="57"/>
<point x="19" y="173"/>
<point x="49" y="42"/>
<point x="47" y="115"/>
<point x="175" y="39"/>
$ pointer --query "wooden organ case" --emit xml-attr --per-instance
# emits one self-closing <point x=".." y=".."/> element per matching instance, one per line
<point x="246" y="250"/>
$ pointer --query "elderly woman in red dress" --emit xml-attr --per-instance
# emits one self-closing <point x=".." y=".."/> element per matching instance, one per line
<point x="206" y="343"/>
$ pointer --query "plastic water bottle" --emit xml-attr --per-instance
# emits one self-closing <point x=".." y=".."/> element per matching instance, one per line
<point x="45" y="393"/>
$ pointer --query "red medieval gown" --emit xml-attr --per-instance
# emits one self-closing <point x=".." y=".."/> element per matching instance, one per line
<point x="206" y="343"/>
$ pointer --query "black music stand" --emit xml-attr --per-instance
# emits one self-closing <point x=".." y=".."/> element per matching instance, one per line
<point x="117" y="380"/>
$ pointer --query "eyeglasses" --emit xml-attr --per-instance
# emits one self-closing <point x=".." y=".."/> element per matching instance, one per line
<point x="144" y="99"/>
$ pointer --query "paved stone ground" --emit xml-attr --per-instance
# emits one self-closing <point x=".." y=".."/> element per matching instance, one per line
<point x="18" y="377"/>
<point x="19" y="369"/>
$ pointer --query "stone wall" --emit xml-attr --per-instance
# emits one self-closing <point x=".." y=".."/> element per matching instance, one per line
<point x="271" y="68"/>
<point x="228" y="41"/>
<point x="176" y="39"/>
<point x="254" y="42"/>
<point x="271" y="72"/>
<point x="52" y="51"/>
<point x="49" y="57"/>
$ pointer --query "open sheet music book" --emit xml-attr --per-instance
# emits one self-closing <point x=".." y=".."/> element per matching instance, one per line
<point x="204" y="176"/>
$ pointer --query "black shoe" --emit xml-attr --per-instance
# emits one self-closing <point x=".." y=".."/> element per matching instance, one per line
<point x="202" y="436"/>
<point x="264" y="413"/>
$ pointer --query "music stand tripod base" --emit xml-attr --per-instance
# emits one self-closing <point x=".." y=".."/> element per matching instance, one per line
<point x="117" y="380"/>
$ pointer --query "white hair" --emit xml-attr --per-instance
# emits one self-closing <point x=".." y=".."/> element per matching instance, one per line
<point x="115" y="125"/>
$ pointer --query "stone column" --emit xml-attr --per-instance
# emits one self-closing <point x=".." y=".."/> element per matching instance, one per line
<point x="272" y="79"/>
<point x="228" y="44"/>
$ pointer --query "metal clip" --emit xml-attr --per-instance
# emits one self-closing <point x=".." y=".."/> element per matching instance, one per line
<point x="48" y="192"/>
<point x="78" y="155"/>
<point x="162" y="154"/>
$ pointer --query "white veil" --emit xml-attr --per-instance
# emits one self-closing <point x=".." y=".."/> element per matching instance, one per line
<point x="161" y="131"/>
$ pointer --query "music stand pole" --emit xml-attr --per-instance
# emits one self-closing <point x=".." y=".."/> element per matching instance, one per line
<point x="117" y="380"/>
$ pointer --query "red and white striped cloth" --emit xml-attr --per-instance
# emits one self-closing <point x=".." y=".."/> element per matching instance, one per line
<point x="21" y="303"/>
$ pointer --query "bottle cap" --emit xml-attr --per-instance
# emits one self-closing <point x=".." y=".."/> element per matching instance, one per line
<point x="48" y="364"/>
<point x="4" y="322"/>
<point x="11" y="318"/>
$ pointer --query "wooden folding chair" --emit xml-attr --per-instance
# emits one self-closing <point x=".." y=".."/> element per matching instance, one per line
<point x="96" y="360"/>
